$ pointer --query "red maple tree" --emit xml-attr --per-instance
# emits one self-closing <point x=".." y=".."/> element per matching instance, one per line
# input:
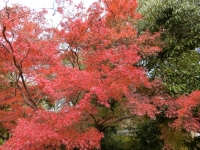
<point x="90" y="61"/>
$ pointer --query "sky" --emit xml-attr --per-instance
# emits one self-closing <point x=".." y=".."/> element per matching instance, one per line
<point x="42" y="3"/>
<point x="35" y="4"/>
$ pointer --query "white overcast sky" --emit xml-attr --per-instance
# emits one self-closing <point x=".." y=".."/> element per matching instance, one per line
<point x="34" y="4"/>
<point x="42" y="3"/>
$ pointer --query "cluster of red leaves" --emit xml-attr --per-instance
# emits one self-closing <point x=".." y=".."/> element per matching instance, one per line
<point x="50" y="130"/>
<point x="183" y="110"/>
<point x="187" y="113"/>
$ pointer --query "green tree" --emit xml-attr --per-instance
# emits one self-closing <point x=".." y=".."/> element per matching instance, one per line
<point x="148" y="135"/>
<point x="179" y="25"/>
<point x="178" y="63"/>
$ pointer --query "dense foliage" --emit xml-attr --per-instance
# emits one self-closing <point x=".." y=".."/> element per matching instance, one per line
<point x="179" y="24"/>
<point x="76" y="86"/>
<point x="178" y="62"/>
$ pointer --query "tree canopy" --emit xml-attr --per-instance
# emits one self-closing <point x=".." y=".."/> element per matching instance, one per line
<point x="64" y="87"/>
<point x="179" y="24"/>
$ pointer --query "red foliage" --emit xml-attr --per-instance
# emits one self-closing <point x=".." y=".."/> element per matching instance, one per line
<point x="92" y="57"/>
<point x="49" y="130"/>
<point x="187" y="112"/>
